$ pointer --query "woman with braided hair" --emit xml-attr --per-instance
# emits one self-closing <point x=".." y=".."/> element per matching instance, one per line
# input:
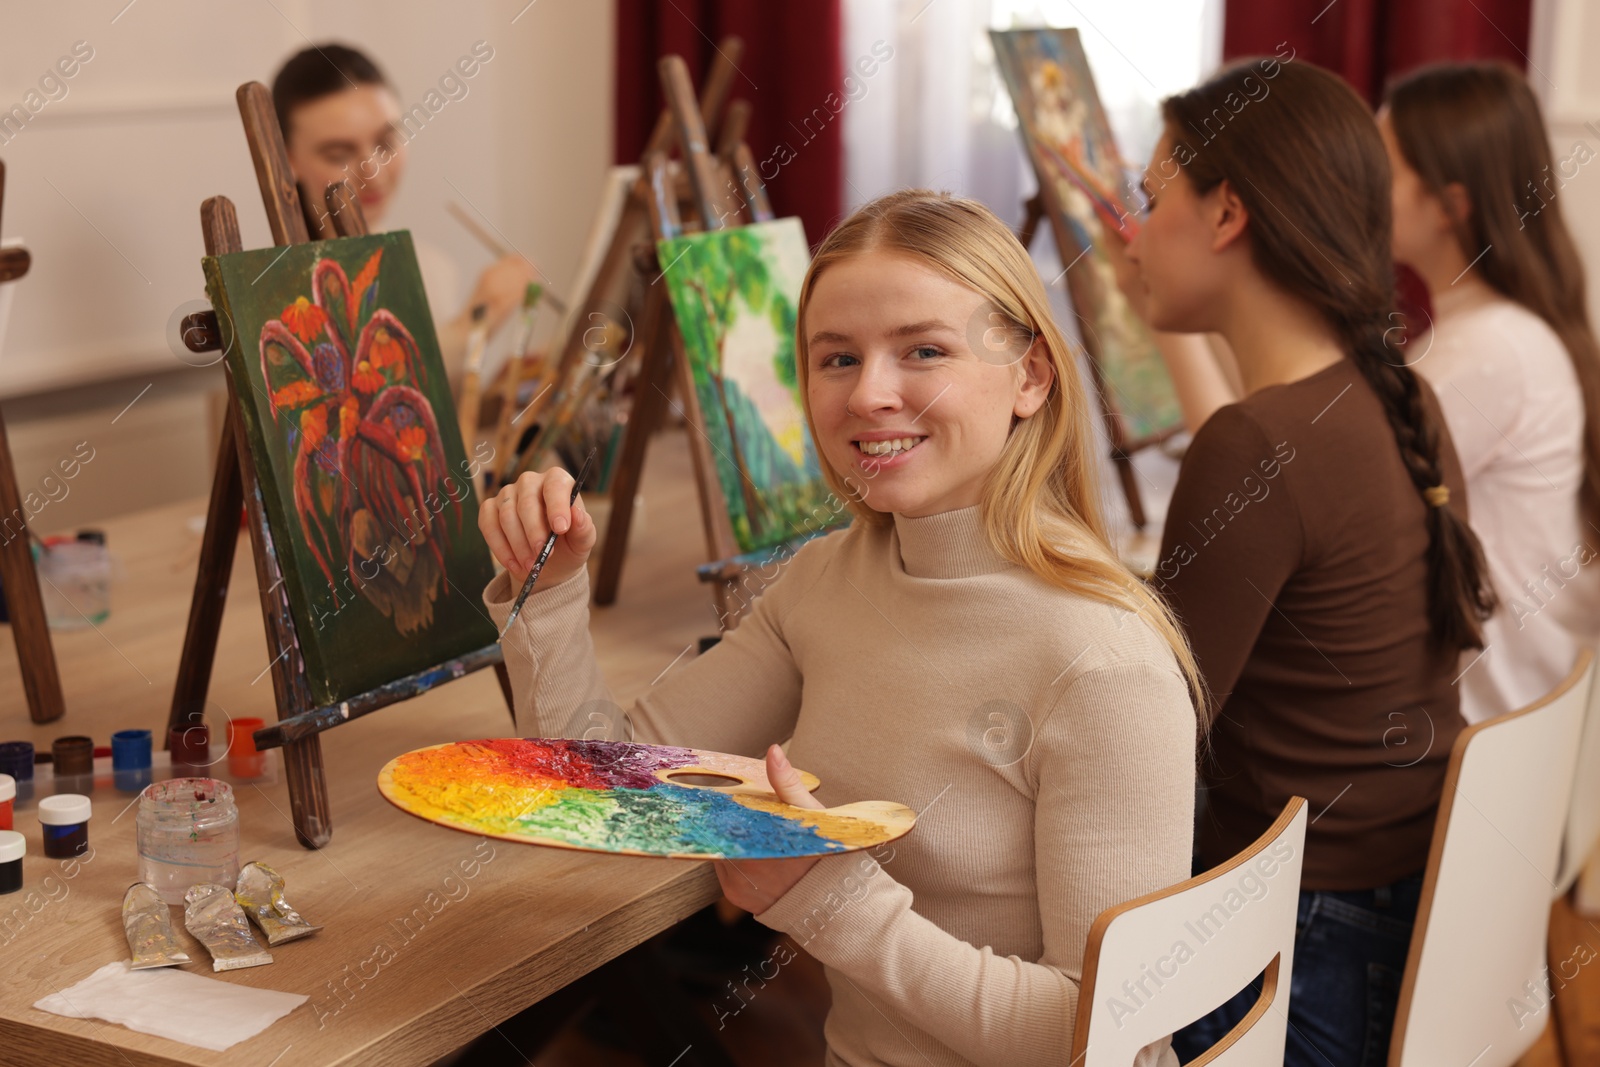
<point x="1316" y="548"/>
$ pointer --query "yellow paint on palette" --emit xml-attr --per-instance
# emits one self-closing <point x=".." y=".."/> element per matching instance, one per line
<point x="859" y="825"/>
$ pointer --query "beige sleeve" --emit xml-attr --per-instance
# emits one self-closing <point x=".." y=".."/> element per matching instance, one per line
<point x="739" y="697"/>
<point x="1114" y="802"/>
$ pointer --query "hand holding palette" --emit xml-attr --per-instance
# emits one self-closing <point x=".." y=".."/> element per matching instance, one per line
<point x="629" y="799"/>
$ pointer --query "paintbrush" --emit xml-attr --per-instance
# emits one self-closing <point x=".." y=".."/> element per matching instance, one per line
<point x="489" y="241"/>
<point x="544" y="553"/>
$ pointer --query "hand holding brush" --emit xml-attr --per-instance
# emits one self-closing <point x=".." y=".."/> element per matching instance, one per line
<point x="537" y="525"/>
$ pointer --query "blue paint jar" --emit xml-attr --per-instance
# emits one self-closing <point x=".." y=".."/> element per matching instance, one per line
<point x="13" y="846"/>
<point x="16" y="759"/>
<point x="130" y="759"/>
<point x="64" y="825"/>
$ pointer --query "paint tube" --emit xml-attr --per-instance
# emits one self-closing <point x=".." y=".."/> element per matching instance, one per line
<point x="260" y="893"/>
<point x="218" y="923"/>
<point x="148" y="924"/>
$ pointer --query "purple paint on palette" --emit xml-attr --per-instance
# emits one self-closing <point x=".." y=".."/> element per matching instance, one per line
<point x="620" y="764"/>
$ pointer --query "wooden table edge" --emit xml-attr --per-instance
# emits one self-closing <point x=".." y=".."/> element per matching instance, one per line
<point x="491" y="998"/>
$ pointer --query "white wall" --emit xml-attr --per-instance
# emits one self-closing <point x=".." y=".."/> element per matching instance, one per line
<point x="1566" y="35"/>
<point x="105" y="183"/>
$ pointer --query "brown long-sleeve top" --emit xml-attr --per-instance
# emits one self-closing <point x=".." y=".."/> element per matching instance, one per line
<point x="1295" y="553"/>
<point x="1045" y="740"/>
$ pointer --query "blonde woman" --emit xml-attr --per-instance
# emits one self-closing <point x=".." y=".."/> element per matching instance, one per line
<point x="970" y="646"/>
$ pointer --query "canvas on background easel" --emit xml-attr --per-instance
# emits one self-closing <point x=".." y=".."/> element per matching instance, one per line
<point x="602" y="343"/>
<point x="732" y="232"/>
<point x="1083" y="194"/>
<point x="358" y="422"/>
<point x="30" y="629"/>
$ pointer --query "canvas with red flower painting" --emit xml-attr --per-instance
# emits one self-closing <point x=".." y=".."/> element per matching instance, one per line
<point x="366" y="483"/>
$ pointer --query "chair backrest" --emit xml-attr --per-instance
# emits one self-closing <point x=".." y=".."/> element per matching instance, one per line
<point x="1583" y="813"/>
<point x="1158" y="963"/>
<point x="1476" y="984"/>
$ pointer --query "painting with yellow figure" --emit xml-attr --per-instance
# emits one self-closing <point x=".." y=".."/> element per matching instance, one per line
<point x="1069" y="141"/>
<point x="628" y="799"/>
<point x="734" y="293"/>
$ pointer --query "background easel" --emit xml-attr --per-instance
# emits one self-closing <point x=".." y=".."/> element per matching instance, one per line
<point x="723" y="191"/>
<point x="300" y="720"/>
<point x="632" y="231"/>
<point x="29" y="627"/>
<point x="1035" y="210"/>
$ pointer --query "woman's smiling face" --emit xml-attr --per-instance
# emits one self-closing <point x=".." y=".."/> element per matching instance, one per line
<point x="914" y="382"/>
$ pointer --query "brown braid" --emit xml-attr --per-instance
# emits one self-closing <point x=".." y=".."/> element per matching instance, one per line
<point x="1458" y="597"/>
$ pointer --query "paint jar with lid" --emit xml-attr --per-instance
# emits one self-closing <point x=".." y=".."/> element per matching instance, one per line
<point x="130" y="759"/>
<point x="73" y="760"/>
<point x="189" y="745"/>
<point x="188" y="834"/>
<point x="8" y="800"/>
<point x="64" y="825"/>
<point x="16" y="760"/>
<point x="13" y="846"/>
<point x="244" y="761"/>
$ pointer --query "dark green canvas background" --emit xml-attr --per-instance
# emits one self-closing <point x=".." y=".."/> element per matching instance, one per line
<point x="357" y="648"/>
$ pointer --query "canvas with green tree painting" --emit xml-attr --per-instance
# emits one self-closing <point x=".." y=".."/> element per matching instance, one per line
<point x="734" y="293"/>
<point x="1087" y="197"/>
<point x="366" y="486"/>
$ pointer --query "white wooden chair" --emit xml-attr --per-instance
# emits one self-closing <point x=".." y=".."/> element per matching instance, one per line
<point x="1479" y="943"/>
<point x="1583" y="813"/>
<point x="1156" y="964"/>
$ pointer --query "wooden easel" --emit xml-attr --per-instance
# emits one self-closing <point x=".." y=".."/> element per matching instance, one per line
<point x="1044" y="205"/>
<point x="29" y="627"/>
<point x="722" y="192"/>
<point x="731" y="193"/>
<point x="300" y="720"/>
<point x="1035" y="210"/>
<point x="633" y="230"/>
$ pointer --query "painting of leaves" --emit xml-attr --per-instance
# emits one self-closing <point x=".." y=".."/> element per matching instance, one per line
<point x="734" y="294"/>
<point x="1086" y="192"/>
<point x="366" y="486"/>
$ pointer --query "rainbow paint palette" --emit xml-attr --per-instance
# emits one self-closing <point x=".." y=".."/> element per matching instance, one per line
<point x="629" y="799"/>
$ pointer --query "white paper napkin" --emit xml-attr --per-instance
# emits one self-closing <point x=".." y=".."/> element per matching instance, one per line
<point x="191" y="1008"/>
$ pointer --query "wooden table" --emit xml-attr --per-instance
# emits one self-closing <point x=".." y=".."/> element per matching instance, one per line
<point x="416" y="957"/>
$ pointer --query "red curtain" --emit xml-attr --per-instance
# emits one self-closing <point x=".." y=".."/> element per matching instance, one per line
<point x="790" y="65"/>
<point x="1371" y="42"/>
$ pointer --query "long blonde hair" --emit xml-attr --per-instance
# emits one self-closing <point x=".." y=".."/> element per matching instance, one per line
<point x="1041" y="503"/>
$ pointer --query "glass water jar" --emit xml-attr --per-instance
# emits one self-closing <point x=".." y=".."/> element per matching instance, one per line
<point x="188" y="834"/>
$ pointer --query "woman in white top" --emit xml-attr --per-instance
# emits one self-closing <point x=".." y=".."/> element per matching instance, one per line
<point x="1512" y="357"/>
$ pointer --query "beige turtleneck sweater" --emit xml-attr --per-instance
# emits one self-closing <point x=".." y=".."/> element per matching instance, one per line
<point x="1046" y="741"/>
